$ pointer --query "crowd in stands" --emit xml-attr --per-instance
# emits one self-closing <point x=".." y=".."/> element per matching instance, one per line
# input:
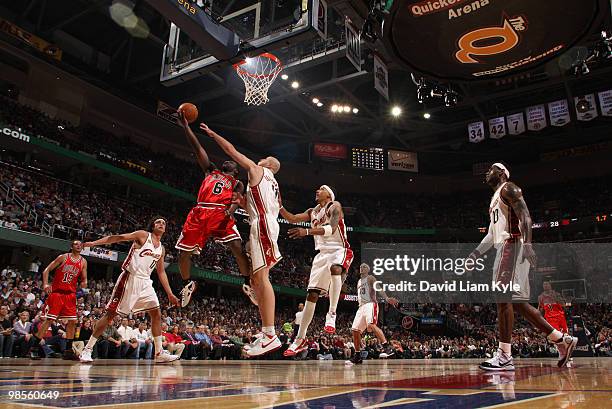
<point x="217" y="328"/>
<point x="551" y="202"/>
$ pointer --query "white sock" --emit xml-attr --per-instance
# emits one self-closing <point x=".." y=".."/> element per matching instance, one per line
<point x="506" y="348"/>
<point x="309" y="309"/>
<point x="90" y="344"/>
<point x="157" y="341"/>
<point x="555" y="336"/>
<point x="269" y="331"/>
<point x="334" y="292"/>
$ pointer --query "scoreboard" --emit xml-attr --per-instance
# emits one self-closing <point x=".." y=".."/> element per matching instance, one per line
<point x="368" y="158"/>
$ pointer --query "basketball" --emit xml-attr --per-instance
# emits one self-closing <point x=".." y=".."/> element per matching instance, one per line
<point x="190" y="111"/>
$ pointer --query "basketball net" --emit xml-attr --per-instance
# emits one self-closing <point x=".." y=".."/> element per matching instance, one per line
<point x="258" y="73"/>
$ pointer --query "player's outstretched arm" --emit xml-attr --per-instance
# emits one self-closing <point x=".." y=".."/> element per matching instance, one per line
<point x="230" y="150"/>
<point x="139" y="236"/>
<point x="52" y="266"/>
<point x="295" y="218"/>
<point x="84" y="274"/>
<point x="200" y="153"/>
<point x="163" y="279"/>
<point x="389" y="300"/>
<point x="327" y="230"/>
<point x="513" y="194"/>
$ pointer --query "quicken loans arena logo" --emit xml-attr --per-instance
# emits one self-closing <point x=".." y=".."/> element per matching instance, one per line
<point x="456" y="8"/>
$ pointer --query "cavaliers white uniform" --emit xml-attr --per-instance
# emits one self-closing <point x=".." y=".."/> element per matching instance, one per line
<point x="368" y="308"/>
<point x="263" y="207"/>
<point x="134" y="291"/>
<point x="509" y="265"/>
<point x="333" y="249"/>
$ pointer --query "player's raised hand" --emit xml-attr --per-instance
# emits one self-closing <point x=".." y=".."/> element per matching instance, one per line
<point x="173" y="299"/>
<point x="47" y="288"/>
<point x="181" y="120"/>
<point x="296" y="232"/>
<point x="207" y="130"/>
<point x="529" y="254"/>
<point x="239" y="199"/>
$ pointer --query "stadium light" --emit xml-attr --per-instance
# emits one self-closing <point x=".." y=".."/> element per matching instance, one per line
<point x="284" y="77"/>
<point x="426" y="115"/>
<point x="396" y="111"/>
<point x="295" y="85"/>
<point x="315" y="100"/>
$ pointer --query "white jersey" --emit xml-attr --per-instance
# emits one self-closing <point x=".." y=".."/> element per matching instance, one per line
<point x="364" y="291"/>
<point x="320" y="216"/>
<point x="504" y="222"/>
<point x="141" y="261"/>
<point x="263" y="198"/>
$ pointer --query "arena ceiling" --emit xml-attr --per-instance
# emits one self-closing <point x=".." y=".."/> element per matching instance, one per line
<point x="130" y="66"/>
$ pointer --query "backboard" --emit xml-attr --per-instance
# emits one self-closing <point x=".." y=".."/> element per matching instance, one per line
<point x="261" y="25"/>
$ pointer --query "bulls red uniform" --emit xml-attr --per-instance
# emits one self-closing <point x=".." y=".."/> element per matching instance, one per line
<point x="208" y="217"/>
<point x="553" y="311"/>
<point x="61" y="303"/>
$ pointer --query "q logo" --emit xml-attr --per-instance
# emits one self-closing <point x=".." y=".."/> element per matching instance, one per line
<point x="507" y="33"/>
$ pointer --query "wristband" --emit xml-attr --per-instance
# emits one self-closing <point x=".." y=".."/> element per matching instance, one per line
<point x="307" y="232"/>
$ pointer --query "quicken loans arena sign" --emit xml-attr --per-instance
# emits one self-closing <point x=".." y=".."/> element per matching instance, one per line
<point x="468" y="40"/>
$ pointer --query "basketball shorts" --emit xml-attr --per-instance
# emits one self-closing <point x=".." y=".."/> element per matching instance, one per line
<point x="263" y="243"/>
<point x="366" y="314"/>
<point x="320" y="272"/>
<point x="204" y="222"/>
<point x="510" y="266"/>
<point x="60" y="306"/>
<point x="558" y="322"/>
<point x="132" y="294"/>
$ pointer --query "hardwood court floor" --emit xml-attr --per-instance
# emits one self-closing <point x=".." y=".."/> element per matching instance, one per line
<point x="307" y="384"/>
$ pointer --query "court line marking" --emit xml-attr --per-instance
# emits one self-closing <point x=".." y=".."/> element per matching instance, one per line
<point x="313" y="398"/>
<point x="501" y="405"/>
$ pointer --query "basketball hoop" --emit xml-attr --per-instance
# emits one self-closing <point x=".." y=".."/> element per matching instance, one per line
<point x="258" y="73"/>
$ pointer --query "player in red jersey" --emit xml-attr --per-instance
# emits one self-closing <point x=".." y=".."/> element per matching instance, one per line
<point x="211" y="216"/>
<point x="61" y="300"/>
<point x="550" y="303"/>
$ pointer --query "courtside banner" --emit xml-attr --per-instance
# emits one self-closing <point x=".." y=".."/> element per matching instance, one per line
<point x="451" y="273"/>
<point x="480" y="39"/>
<point x="402" y="160"/>
<point x="99" y="252"/>
<point x="330" y="151"/>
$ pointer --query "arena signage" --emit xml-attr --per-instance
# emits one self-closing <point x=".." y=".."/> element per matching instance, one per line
<point x="16" y="134"/>
<point x="480" y="39"/>
<point x="330" y="150"/>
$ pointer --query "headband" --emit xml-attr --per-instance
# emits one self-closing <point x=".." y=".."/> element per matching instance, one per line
<point x="331" y="192"/>
<point x="502" y="167"/>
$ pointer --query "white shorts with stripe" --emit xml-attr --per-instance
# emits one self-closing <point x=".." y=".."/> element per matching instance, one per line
<point x="263" y="241"/>
<point x="132" y="294"/>
<point x="366" y="314"/>
<point x="510" y="266"/>
<point x="320" y="272"/>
